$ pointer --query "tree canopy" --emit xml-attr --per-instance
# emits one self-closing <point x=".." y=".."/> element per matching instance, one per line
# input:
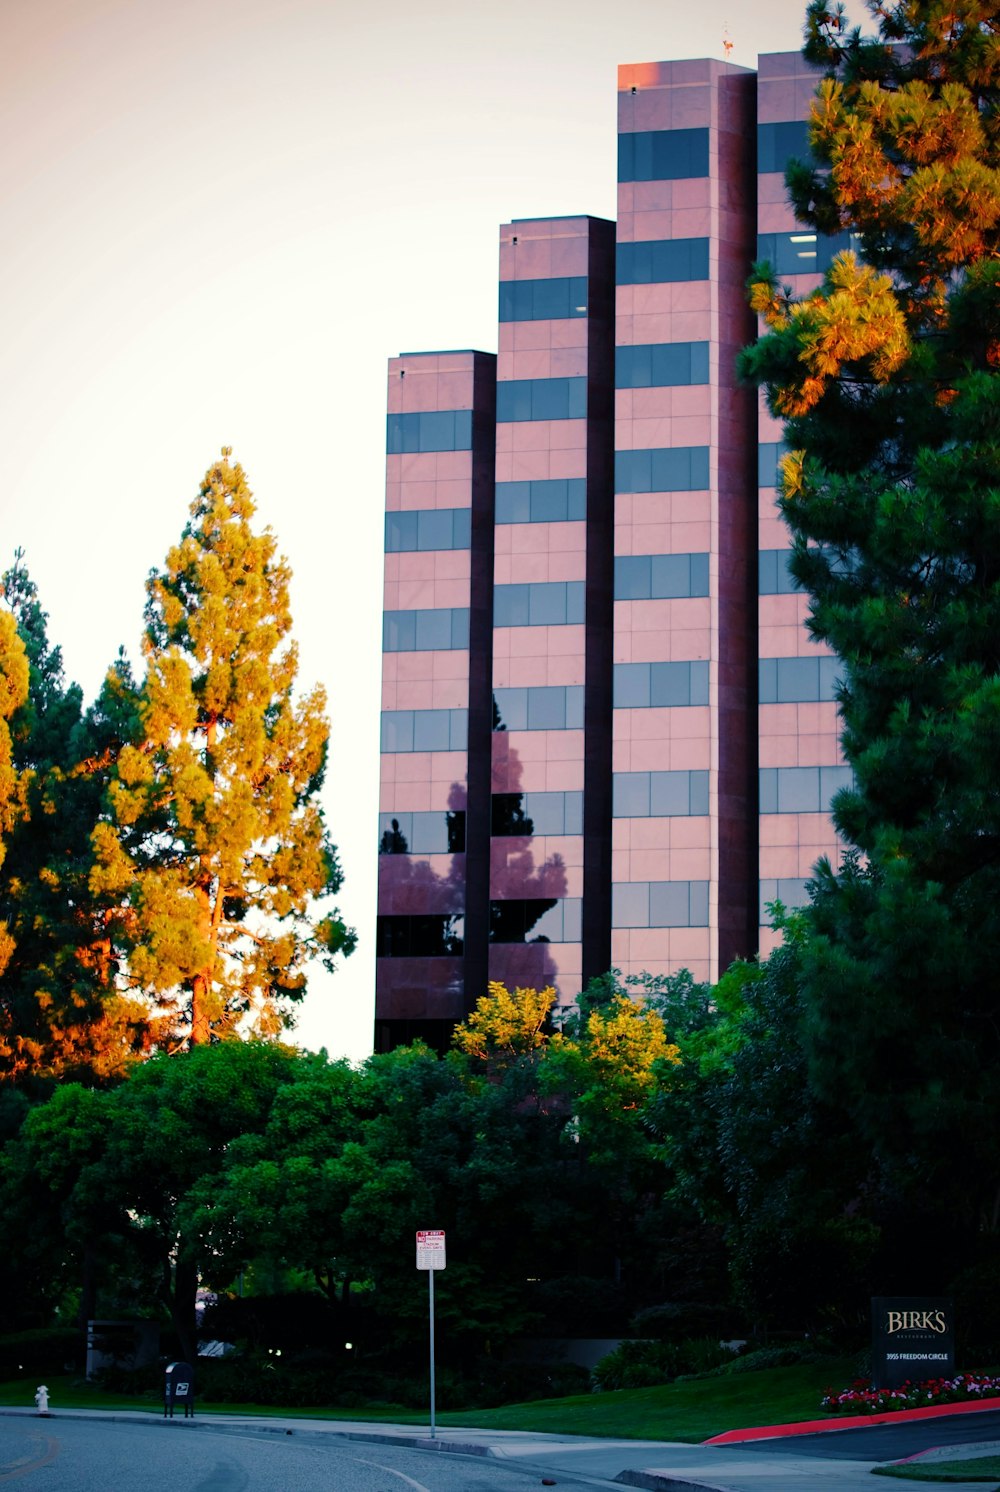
<point x="215" y="845"/>
<point x="886" y="378"/>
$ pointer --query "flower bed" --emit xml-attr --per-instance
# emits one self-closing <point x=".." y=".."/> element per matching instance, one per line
<point x="863" y="1398"/>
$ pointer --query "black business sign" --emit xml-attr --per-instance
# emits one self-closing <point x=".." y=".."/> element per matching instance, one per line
<point x="913" y="1338"/>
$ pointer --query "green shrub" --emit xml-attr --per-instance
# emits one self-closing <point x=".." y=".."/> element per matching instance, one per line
<point x="771" y="1357"/>
<point x="645" y="1364"/>
<point x="679" y="1320"/>
<point x="44" y="1350"/>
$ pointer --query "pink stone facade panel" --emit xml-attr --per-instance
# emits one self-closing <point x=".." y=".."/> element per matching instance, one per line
<point x="663" y="740"/>
<point x="662" y="950"/>
<point x="537" y="761"/>
<point x="537" y="965"/>
<point x="537" y="564"/>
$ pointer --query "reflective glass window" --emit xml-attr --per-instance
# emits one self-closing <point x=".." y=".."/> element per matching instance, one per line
<point x="662" y="261"/>
<point x="555" y="813"/>
<point x="422" y="833"/>
<point x="558" y="500"/>
<point x="678" y="684"/>
<point x="660" y="904"/>
<point x="535" y="920"/>
<point x="640" y="577"/>
<point x="789" y="891"/>
<point x="773" y="575"/>
<point x="676" y="469"/>
<point x="660" y="794"/>
<point x="437" y="629"/>
<point x="543" y="300"/>
<point x="661" y="365"/>
<point x="509" y="816"/>
<point x="662" y="155"/>
<point x="430" y="430"/>
<point x="630" y="795"/>
<point x="797" y="680"/>
<point x="426" y="936"/>
<point x="541" y="399"/>
<point x="547" y="707"/>
<point x="549" y="603"/>
<point x="769" y="454"/>
<point x="801" y="789"/>
<point x="803" y="252"/>
<point x="677" y="794"/>
<point x="660" y="685"/>
<point x="424" y="730"/>
<point x="516" y="814"/>
<point x="669" y="904"/>
<point x="777" y="144"/>
<point x="630" y="904"/>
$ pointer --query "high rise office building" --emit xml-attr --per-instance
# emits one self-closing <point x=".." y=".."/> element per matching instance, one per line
<point x="607" y="739"/>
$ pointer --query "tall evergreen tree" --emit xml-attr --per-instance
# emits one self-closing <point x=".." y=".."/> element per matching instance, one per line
<point x="887" y="378"/>
<point x="60" y="1013"/>
<point x="13" y="693"/>
<point x="215" y="843"/>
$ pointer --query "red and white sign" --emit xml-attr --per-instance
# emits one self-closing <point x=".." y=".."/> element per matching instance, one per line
<point x="430" y="1249"/>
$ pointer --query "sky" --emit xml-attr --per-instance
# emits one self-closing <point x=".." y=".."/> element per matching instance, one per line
<point x="219" y="219"/>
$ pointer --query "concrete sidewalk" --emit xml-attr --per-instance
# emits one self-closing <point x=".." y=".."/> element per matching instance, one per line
<point x="656" y="1465"/>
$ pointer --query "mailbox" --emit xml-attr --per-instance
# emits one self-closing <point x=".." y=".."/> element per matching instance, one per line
<point x="178" y="1390"/>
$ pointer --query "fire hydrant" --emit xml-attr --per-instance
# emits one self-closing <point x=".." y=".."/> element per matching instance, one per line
<point x="42" y="1399"/>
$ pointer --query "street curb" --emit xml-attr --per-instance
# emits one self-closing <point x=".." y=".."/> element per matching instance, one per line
<point x="655" y="1481"/>
<point x="250" y="1427"/>
<point x="851" y="1422"/>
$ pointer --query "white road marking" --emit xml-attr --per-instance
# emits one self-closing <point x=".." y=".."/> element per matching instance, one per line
<point x="402" y="1476"/>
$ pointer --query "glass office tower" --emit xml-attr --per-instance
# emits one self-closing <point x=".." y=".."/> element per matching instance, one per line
<point x="607" y="737"/>
<point x="684" y="446"/>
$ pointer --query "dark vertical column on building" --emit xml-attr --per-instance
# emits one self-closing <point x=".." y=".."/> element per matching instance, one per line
<point x="735" y="167"/>
<point x="600" y="602"/>
<point x="477" y="852"/>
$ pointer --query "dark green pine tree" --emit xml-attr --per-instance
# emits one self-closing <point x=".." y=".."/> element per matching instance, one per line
<point x="887" y="379"/>
<point x="60" y="1013"/>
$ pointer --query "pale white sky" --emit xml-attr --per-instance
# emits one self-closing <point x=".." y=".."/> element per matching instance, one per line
<point x="219" y="218"/>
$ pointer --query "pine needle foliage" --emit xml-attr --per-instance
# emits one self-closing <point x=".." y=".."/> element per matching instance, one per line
<point x="215" y="844"/>
<point x="886" y="378"/>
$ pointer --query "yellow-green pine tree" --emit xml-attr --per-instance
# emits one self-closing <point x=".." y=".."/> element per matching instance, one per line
<point x="215" y="841"/>
<point x="13" y="693"/>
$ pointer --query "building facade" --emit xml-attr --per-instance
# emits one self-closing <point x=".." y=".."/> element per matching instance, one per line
<point x="607" y="739"/>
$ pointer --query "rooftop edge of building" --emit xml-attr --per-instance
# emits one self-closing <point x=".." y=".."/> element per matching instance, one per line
<point x="639" y="75"/>
<point x="444" y="352"/>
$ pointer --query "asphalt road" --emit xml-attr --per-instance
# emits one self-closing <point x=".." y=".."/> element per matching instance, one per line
<point x="104" y="1456"/>
<point x="885" y="1442"/>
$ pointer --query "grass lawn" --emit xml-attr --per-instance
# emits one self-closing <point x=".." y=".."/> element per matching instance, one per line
<point x="972" y="1469"/>
<point x="677" y="1411"/>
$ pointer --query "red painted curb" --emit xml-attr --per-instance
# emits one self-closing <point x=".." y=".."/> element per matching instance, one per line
<point x="850" y="1422"/>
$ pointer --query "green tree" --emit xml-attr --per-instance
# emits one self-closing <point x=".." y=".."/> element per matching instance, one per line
<point x="887" y="379"/>
<point x="60" y="1011"/>
<point x="215" y="842"/>
<point x="13" y="693"/>
<point x="101" y="1180"/>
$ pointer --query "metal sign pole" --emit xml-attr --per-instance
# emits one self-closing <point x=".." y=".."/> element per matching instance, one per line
<point x="430" y="1285"/>
<point x="431" y="1256"/>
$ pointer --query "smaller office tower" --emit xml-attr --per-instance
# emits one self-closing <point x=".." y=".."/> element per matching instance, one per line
<point x="684" y="747"/>
<point x="801" y="765"/>
<point x="435" y="691"/>
<point x="549" y="894"/>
